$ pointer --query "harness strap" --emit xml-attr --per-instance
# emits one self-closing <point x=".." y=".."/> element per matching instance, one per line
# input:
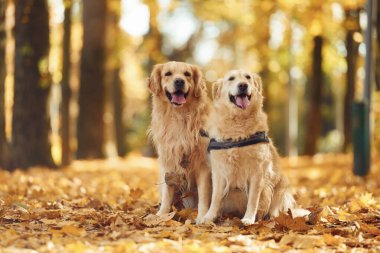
<point x="258" y="137"/>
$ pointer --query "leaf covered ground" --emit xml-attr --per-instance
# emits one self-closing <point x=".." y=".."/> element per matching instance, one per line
<point x="107" y="206"/>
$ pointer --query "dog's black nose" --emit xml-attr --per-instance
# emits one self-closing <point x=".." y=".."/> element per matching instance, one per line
<point x="243" y="87"/>
<point x="179" y="83"/>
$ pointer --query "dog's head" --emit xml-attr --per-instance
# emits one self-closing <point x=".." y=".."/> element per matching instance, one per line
<point x="238" y="90"/>
<point x="177" y="81"/>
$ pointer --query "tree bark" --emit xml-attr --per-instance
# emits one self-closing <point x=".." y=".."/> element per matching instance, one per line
<point x="92" y="88"/>
<point x="2" y="83"/>
<point x="314" y="115"/>
<point x="30" y="131"/>
<point x="377" y="65"/>
<point x="115" y="98"/>
<point x="65" y="88"/>
<point x="352" y="54"/>
<point x="118" y="106"/>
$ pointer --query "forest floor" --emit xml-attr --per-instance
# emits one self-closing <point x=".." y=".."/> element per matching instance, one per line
<point x="107" y="206"/>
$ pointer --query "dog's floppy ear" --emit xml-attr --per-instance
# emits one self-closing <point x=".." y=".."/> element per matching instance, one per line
<point x="258" y="82"/>
<point x="199" y="83"/>
<point x="154" y="81"/>
<point x="216" y="88"/>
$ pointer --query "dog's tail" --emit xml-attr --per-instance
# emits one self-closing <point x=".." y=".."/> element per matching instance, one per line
<point x="282" y="199"/>
<point x="288" y="202"/>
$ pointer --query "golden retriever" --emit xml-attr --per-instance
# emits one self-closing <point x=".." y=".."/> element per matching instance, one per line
<point x="180" y="108"/>
<point x="237" y="113"/>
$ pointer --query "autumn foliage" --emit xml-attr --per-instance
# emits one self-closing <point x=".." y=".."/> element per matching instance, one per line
<point x="110" y="205"/>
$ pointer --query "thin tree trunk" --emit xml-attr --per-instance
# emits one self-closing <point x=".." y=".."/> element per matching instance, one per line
<point x="377" y="65"/>
<point x="314" y="114"/>
<point x="118" y="106"/>
<point x="352" y="54"/>
<point x="65" y="88"/>
<point x="153" y="42"/>
<point x="92" y="88"/>
<point x="2" y="83"/>
<point x="30" y="131"/>
<point x="115" y="98"/>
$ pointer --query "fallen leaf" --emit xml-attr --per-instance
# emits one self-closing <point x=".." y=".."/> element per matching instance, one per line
<point x="187" y="214"/>
<point x="365" y="200"/>
<point x="296" y="224"/>
<point x="136" y="193"/>
<point x="331" y="240"/>
<point x="369" y="229"/>
<point x="315" y="216"/>
<point x="74" y="231"/>
<point x="302" y="241"/>
<point x="154" y="220"/>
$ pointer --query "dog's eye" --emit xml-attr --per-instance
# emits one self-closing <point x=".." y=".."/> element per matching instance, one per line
<point x="248" y="76"/>
<point x="168" y="73"/>
<point x="231" y="78"/>
<point x="187" y="73"/>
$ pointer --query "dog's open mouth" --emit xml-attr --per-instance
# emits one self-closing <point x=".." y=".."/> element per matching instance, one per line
<point x="241" y="100"/>
<point x="177" y="98"/>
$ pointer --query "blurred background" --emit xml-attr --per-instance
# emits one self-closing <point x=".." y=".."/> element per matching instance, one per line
<point x="72" y="77"/>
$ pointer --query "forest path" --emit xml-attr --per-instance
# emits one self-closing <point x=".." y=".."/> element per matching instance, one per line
<point x="105" y="206"/>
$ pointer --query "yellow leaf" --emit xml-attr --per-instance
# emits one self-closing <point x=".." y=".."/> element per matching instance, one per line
<point x="331" y="240"/>
<point x="72" y="230"/>
<point x="302" y="241"/>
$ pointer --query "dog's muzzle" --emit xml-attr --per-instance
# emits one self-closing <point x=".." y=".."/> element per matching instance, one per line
<point x="242" y="99"/>
<point x="178" y="97"/>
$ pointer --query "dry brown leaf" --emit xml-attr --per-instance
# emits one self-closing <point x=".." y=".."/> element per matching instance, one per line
<point x="136" y="193"/>
<point x="296" y="224"/>
<point x="302" y="241"/>
<point x="154" y="220"/>
<point x="369" y="229"/>
<point x="315" y="215"/>
<point x="187" y="214"/>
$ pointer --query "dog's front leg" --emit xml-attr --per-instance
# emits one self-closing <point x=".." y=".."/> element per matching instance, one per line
<point x="218" y="185"/>
<point x="256" y="186"/>
<point x="204" y="193"/>
<point x="167" y="194"/>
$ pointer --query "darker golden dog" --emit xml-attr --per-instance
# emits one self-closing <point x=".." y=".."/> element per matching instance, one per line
<point x="180" y="108"/>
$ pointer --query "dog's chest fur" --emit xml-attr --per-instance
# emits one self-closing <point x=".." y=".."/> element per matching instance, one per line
<point x="238" y="165"/>
<point x="177" y="139"/>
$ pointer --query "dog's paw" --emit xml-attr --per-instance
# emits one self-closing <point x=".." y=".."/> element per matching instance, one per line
<point x="248" y="221"/>
<point x="205" y="219"/>
<point x="161" y="212"/>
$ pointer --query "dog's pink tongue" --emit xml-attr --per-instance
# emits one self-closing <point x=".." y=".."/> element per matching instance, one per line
<point x="178" y="99"/>
<point x="242" y="102"/>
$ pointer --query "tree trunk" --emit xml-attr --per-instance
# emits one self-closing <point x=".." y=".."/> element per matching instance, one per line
<point x="118" y="106"/>
<point x="377" y="65"/>
<point x="2" y="83"/>
<point x="65" y="88"/>
<point x="352" y="54"/>
<point x="92" y="88"/>
<point x="115" y="98"/>
<point x="314" y="115"/>
<point x="153" y="42"/>
<point x="30" y="132"/>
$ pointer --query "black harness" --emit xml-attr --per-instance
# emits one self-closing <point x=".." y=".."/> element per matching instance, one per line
<point x="258" y="137"/>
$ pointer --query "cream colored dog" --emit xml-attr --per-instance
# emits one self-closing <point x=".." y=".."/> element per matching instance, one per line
<point x="237" y="114"/>
<point x="180" y="108"/>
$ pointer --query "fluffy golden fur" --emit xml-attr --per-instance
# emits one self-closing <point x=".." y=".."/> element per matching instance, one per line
<point x="180" y="108"/>
<point x="237" y="113"/>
